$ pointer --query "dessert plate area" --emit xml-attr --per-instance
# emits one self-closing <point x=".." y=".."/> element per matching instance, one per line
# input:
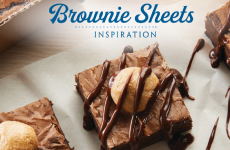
<point x="53" y="77"/>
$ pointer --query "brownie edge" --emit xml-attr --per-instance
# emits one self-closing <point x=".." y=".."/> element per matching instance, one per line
<point x="214" y="22"/>
<point x="40" y="116"/>
<point x="10" y="8"/>
<point x="159" y="67"/>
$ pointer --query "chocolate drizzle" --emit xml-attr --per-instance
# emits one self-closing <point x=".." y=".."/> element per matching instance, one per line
<point x="144" y="73"/>
<point x="174" y="78"/>
<point x="181" y="81"/>
<point x="217" y="53"/>
<point x="116" y="113"/>
<point x="228" y="115"/>
<point x="181" y="142"/>
<point x="105" y="116"/>
<point x="122" y="62"/>
<point x="166" y="124"/>
<point x="212" y="136"/>
<point x="88" y="123"/>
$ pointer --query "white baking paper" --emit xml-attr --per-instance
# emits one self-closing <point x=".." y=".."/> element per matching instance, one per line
<point x="54" y="78"/>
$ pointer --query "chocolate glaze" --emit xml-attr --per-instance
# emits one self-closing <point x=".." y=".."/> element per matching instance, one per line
<point x="228" y="115"/>
<point x="134" y="141"/>
<point x="181" y="81"/>
<point x="88" y="123"/>
<point x="217" y="53"/>
<point x="105" y="116"/>
<point x="122" y="62"/>
<point x="144" y="73"/>
<point x="150" y="57"/>
<point x="116" y="113"/>
<point x="181" y="142"/>
<point x="166" y="124"/>
<point x="198" y="47"/>
<point x="212" y="136"/>
<point x="181" y="84"/>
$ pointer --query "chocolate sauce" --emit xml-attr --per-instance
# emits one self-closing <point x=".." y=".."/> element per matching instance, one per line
<point x="166" y="124"/>
<point x="144" y="73"/>
<point x="150" y="103"/>
<point x="181" y="142"/>
<point x="122" y="62"/>
<point x="128" y="49"/>
<point x="181" y="81"/>
<point x="198" y="47"/>
<point x="212" y="136"/>
<point x="217" y="53"/>
<point x="88" y="123"/>
<point x="105" y="116"/>
<point x="150" y="57"/>
<point x="108" y="100"/>
<point x="116" y="113"/>
<point x="228" y="115"/>
<point x="181" y="84"/>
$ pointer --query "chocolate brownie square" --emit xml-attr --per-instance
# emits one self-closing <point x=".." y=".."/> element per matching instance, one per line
<point x="119" y="136"/>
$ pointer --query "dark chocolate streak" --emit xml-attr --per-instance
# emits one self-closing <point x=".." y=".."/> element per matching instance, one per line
<point x="212" y="136"/>
<point x="122" y="61"/>
<point x="88" y="123"/>
<point x="150" y="57"/>
<point x="181" y="142"/>
<point x="228" y="115"/>
<point x="198" y="47"/>
<point x="105" y="116"/>
<point x="116" y="113"/>
<point x="181" y="81"/>
<point x="144" y="73"/>
<point x="166" y="124"/>
<point x="217" y="53"/>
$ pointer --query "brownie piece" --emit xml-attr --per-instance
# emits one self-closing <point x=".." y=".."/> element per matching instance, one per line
<point x="118" y="137"/>
<point x="10" y="8"/>
<point x="214" y="22"/>
<point x="40" y="116"/>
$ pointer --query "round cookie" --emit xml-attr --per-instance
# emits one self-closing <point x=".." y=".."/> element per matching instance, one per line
<point x="17" y="136"/>
<point x="128" y="104"/>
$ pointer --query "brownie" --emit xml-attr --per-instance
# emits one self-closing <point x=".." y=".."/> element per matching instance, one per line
<point x="118" y="137"/>
<point x="214" y="22"/>
<point x="10" y="8"/>
<point x="40" y="116"/>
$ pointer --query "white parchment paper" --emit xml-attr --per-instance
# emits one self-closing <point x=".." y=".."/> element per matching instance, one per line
<point x="54" y="78"/>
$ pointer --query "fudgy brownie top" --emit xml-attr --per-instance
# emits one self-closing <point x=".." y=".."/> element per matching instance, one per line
<point x="40" y="116"/>
<point x="87" y="80"/>
<point x="10" y="8"/>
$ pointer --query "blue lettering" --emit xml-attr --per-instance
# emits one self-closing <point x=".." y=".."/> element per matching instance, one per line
<point x="58" y="12"/>
<point x="107" y="34"/>
<point x="152" y="34"/>
<point x="164" y="16"/>
<point x="112" y="34"/>
<point x="122" y="34"/>
<point x="129" y="35"/>
<point x="144" y="13"/>
<point x="144" y="34"/>
<point x="174" y="15"/>
<point x="125" y="15"/>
